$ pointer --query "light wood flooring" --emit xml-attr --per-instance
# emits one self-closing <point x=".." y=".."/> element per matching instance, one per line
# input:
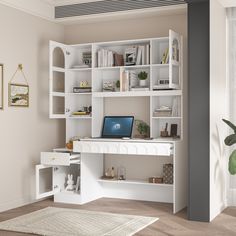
<point x="168" y="224"/>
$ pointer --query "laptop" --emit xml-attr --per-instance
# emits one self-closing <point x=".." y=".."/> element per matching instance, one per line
<point x="117" y="127"/>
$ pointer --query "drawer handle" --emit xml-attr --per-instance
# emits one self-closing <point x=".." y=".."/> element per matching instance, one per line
<point x="53" y="158"/>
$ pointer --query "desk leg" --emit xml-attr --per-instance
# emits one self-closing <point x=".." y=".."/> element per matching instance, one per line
<point x="91" y="168"/>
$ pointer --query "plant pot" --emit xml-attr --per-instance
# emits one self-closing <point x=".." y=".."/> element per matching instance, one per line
<point x="143" y="83"/>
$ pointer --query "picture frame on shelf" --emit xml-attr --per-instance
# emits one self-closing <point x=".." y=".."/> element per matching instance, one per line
<point x="18" y="95"/>
<point x="1" y="87"/>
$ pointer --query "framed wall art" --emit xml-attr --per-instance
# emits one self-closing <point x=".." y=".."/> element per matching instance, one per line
<point x="1" y="86"/>
<point x="18" y="94"/>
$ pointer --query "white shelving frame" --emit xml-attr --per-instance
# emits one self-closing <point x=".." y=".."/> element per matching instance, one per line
<point x="91" y="126"/>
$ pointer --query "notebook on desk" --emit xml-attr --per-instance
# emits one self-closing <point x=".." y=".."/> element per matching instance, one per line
<point x="117" y="127"/>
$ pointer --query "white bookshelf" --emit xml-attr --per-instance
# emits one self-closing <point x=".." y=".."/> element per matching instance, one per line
<point x="65" y="75"/>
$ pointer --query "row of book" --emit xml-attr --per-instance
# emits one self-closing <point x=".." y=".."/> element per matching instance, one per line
<point x="133" y="55"/>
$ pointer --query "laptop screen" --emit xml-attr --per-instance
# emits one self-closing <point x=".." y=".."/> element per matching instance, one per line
<point x="117" y="126"/>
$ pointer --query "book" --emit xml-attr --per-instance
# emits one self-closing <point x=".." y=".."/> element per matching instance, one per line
<point x="139" y="57"/>
<point x="138" y="88"/>
<point x="147" y="54"/>
<point x="118" y="59"/>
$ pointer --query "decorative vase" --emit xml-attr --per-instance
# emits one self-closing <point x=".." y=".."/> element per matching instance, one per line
<point x="142" y="83"/>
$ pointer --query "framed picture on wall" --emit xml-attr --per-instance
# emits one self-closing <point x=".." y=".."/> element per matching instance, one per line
<point x="18" y="95"/>
<point x="1" y="86"/>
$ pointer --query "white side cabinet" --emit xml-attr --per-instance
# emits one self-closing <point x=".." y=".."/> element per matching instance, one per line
<point x="52" y="176"/>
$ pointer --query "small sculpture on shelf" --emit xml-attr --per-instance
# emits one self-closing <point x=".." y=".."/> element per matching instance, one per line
<point x="70" y="183"/>
<point x="109" y="174"/>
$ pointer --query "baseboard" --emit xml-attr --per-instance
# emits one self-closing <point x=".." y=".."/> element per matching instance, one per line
<point x="17" y="203"/>
<point x="217" y="211"/>
<point x="231" y="197"/>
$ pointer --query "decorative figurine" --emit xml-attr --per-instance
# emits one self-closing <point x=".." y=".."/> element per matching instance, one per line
<point x="70" y="183"/>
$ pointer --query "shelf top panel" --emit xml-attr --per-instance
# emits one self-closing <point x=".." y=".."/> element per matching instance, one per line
<point x="142" y="182"/>
<point x="121" y="42"/>
<point x="138" y="93"/>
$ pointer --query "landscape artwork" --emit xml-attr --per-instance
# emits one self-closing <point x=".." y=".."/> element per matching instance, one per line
<point x="18" y="95"/>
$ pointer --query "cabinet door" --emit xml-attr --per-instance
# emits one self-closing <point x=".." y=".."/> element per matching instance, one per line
<point x="57" y="71"/>
<point x="175" y="59"/>
<point x="45" y="185"/>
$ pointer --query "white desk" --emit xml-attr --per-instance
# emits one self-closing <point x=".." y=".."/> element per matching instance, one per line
<point x="92" y="168"/>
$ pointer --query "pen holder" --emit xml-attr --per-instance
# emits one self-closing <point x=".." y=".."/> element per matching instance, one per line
<point x="164" y="133"/>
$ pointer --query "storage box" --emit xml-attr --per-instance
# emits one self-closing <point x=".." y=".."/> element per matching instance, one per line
<point x="162" y="113"/>
<point x="168" y="172"/>
<point x="155" y="180"/>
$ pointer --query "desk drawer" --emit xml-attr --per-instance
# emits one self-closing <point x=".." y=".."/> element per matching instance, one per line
<point x="132" y="148"/>
<point x="59" y="159"/>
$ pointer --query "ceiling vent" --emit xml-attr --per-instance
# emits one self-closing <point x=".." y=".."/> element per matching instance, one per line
<point x="108" y="6"/>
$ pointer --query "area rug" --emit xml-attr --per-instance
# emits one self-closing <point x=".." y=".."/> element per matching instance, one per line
<point x="53" y="221"/>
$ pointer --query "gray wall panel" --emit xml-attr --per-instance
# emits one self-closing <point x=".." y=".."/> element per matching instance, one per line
<point x="198" y="36"/>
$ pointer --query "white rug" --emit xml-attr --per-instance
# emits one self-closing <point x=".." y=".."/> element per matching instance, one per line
<point x="69" y="222"/>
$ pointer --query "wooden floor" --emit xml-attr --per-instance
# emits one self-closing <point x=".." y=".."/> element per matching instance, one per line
<point x="168" y="224"/>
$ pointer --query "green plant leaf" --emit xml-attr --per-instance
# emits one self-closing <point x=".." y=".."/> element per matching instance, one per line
<point x="231" y="125"/>
<point x="232" y="163"/>
<point x="230" y="140"/>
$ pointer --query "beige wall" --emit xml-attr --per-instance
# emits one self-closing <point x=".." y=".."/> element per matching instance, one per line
<point x="142" y="27"/>
<point x="24" y="132"/>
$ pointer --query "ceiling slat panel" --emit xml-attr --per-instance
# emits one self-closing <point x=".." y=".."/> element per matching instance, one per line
<point x="108" y="6"/>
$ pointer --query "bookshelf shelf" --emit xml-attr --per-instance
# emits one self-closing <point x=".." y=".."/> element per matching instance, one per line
<point x="58" y="69"/>
<point x="138" y="93"/>
<point x="138" y="182"/>
<point x="80" y="117"/>
<point x="79" y="69"/>
<point x="165" y="118"/>
<point x="58" y="94"/>
<point x="160" y="65"/>
<point x="78" y="94"/>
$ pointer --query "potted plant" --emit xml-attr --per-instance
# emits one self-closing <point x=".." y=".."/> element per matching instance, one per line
<point x="229" y="141"/>
<point x="142" y="128"/>
<point x="142" y="76"/>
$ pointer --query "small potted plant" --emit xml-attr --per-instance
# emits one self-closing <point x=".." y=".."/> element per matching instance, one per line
<point x="229" y="141"/>
<point x="142" y="76"/>
<point x="142" y="128"/>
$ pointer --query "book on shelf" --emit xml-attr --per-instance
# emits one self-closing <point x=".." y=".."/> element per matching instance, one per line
<point x="165" y="57"/>
<point x="143" y="55"/>
<point x="80" y="113"/>
<point x="82" y="89"/>
<point x="81" y="66"/>
<point x="105" y="58"/>
<point x="139" y="88"/>
<point x="118" y="59"/>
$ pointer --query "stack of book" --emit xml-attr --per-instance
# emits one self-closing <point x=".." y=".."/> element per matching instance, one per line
<point x="81" y="113"/>
<point x="163" y="111"/>
<point x="105" y="58"/>
<point x="82" y="89"/>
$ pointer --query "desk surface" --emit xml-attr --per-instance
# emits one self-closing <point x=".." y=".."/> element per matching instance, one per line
<point x="132" y="140"/>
